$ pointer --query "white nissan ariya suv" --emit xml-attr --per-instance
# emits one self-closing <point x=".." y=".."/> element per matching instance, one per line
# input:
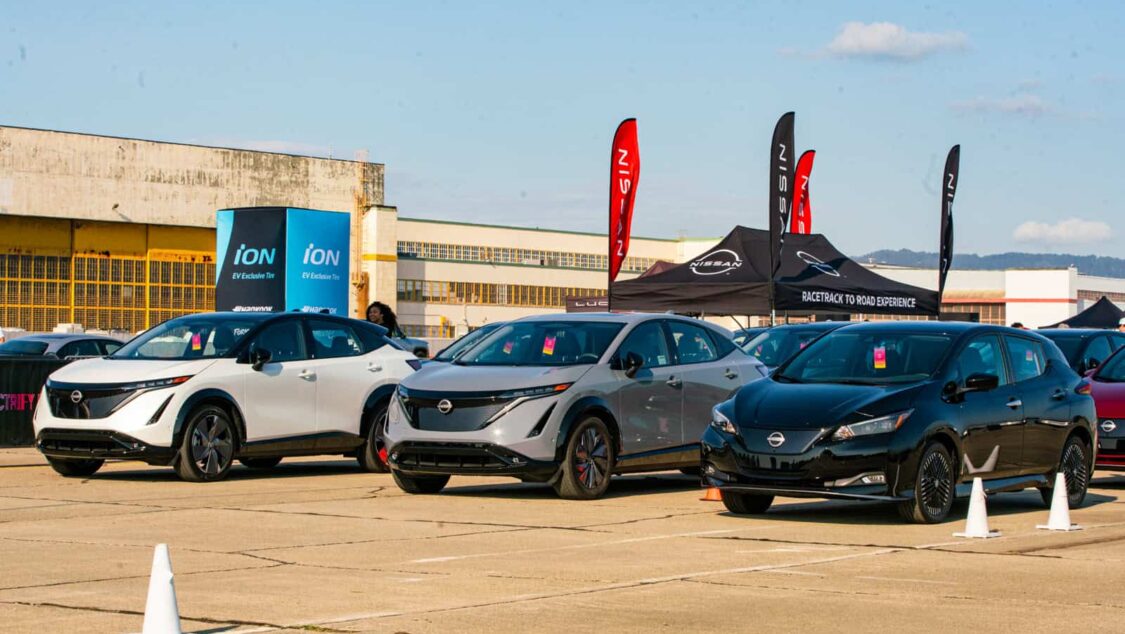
<point x="200" y="391"/>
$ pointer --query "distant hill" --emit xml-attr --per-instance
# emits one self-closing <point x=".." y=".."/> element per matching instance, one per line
<point x="1087" y="264"/>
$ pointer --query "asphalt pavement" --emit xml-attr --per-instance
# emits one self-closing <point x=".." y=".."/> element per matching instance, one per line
<point x="316" y="545"/>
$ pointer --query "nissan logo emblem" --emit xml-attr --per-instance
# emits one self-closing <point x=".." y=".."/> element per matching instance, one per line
<point x="818" y="264"/>
<point x="776" y="439"/>
<point x="1108" y="426"/>
<point x="716" y="263"/>
<point x="444" y="406"/>
<point x="76" y="397"/>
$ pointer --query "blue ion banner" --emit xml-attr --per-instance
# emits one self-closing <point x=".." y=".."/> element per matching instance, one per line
<point x="281" y="259"/>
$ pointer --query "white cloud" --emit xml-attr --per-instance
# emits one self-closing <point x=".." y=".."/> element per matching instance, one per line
<point x="1069" y="231"/>
<point x="1020" y="104"/>
<point x="886" y="40"/>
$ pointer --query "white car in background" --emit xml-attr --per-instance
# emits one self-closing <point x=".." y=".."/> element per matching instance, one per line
<point x="201" y="391"/>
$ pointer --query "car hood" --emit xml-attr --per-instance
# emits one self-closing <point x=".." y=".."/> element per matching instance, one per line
<point x="774" y="405"/>
<point x="1109" y="398"/>
<point x="102" y="371"/>
<point x="450" y="377"/>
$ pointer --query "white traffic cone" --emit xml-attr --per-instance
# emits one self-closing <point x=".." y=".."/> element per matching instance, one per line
<point x="162" y="616"/>
<point x="1059" y="519"/>
<point x="976" y="525"/>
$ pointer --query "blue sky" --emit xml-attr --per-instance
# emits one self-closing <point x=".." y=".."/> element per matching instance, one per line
<point x="502" y="112"/>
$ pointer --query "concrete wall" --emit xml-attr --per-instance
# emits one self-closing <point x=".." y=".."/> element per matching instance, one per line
<point x="85" y="177"/>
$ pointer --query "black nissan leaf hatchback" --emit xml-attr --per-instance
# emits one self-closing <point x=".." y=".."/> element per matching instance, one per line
<point x="909" y="413"/>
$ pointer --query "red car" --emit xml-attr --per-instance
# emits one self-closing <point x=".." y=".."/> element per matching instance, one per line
<point x="1108" y="388"/>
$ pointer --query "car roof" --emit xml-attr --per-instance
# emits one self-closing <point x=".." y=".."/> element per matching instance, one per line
<point x="812" y="325"/>
<point x="54" y="337"/>
<point x="617" y="318"/>
<point x="937" y="327"/>
<point x="1081" y="332"/>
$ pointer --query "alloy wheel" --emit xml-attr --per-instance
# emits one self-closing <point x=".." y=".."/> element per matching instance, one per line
<point x="591" y="458"/>
<point x="936" y="483"/>
<point x="1075" y="469"/>
<point x="212" y="445"/>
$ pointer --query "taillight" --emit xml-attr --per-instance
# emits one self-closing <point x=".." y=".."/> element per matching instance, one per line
<point x="1083" y="388"/>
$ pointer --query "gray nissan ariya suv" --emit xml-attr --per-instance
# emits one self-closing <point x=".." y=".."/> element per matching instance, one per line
<point x="568" y="400"/>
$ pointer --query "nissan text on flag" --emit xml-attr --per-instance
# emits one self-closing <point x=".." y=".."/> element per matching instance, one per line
<point x="201" y="391"/>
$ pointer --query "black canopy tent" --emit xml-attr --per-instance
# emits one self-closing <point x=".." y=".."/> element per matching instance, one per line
<point x="600" y="303"/>
<point x="1102" y="314"/>
<point x="732" y="278"/>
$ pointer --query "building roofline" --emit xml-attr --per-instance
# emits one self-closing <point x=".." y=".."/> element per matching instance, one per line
<point x="539" y="229"/>
<point x="180" y="143"/>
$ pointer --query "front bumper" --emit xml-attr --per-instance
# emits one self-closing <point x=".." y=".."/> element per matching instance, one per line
<point x="467" y="458"/>
<point x="814" y="473"/>
<point x="100" y="444"/>
<point x="1111" y="446"/>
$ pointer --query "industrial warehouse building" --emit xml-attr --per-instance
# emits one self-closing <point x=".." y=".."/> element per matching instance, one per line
<point x="118" y="234"/>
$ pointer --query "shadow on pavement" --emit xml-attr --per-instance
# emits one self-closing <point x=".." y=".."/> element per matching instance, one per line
<point x="145" y="473"/>
<point x="621" y="486"/>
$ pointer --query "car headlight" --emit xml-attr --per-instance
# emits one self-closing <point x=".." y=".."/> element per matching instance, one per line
<point x="536" y="392"/>
<point x="157" y="383"/>
<point x="881" y="425"/>
<point x="722" y="423"/>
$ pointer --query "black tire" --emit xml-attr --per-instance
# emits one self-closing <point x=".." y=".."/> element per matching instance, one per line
<point x="208" y="448"/>
<point x="420" y="485"/>
<point x="935" y="485"/>
<point x="746" y="503"/>
<point x="587" y="463"/>
<point x="1074" y="463"/>
<point x="260" y="463"/>
<point x="372" y="456"/>
<point x="72" y="468"/>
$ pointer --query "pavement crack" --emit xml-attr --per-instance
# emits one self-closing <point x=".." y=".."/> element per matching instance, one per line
<point x="183" y="617"/>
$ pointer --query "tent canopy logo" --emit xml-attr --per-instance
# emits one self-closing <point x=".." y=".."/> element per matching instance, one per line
<point x="818" y="264"/>
<point x="716" y="263"/>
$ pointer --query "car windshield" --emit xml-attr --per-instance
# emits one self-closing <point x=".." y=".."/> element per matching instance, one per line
<point x="1114" y="370"/>
<point x="773" y="347"/>
<point x="23" y="348"/>
<point x="464" y="343"/>
<point x="551" y="343"/>
<point x="195" y="337"/>
<point x="867" y="357"/>
<point x="1069" y="344"/>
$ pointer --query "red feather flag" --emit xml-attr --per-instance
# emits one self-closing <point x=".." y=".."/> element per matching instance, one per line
<point x="625" y="171"/>
<point x="801" y="218"/>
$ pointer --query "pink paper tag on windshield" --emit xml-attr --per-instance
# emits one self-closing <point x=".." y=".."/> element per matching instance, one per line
<point x="804" y="344"/>
<point x="508" y="347"/>
<point x="196" y="342"/>
<point x="1030" y="355"/>
<point x="880" y="358"/>
<point x="549" y="345"/>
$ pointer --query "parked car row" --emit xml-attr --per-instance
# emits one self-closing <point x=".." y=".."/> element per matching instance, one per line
<point x="907" y="413"/>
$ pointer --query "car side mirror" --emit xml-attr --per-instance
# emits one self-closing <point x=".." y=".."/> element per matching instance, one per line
<point x="981" y="383"/>
<point x="632" y="364"/>
<point x="259" y="357"/>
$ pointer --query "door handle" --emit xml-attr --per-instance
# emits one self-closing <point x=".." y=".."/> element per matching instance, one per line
<point x="307" y="375"/>
<point x="1014" y="403"/>
<point x="371" y="367"/>
<point x="1059" y="394"/>
<point x="674" y="382"/>
<point x="730" y="374"/>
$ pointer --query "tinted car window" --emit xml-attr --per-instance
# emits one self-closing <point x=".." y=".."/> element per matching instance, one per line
<point x="284" y="340"/>
<point x="981" y="356"/>
<point x="80" y="348"/>
<point x="773" y="347"/>
<point x="550" y="343"/>
<point x="1069" y="345"/>
<point x="1113" y="371"/>
<point x="333" y="339"/>
<point x="372" y="339"/>
<point x="868" y="357"/>
<point x="649" y="342"/>
<point x="1098" y="350"/>
<point x="108" y="347"/>
<point x="1027" y="358"/>
<point x="32" y="348"/>
<point x="464" y="343"/>
<point x="195" y="337"/>
<point x="693" y="344"/>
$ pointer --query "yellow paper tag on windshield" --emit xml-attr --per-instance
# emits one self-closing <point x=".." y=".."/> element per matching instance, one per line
<point x="880" y="358"/>
<point x="196" y="342"/>
<point x="549" y="345"/>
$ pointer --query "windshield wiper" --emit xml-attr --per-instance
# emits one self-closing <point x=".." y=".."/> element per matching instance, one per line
<point x="786" y="378"/>
<point x="854" y="382"/>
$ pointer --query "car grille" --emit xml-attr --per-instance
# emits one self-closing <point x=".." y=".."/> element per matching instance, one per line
<point x="99" y="444"/>
<point x="461" y="456"/>
<point x="94" y="401"/>
<point x="469" y="411"/>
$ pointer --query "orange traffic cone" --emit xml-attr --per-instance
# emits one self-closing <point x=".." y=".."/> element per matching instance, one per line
<point x="713" y="495"/>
